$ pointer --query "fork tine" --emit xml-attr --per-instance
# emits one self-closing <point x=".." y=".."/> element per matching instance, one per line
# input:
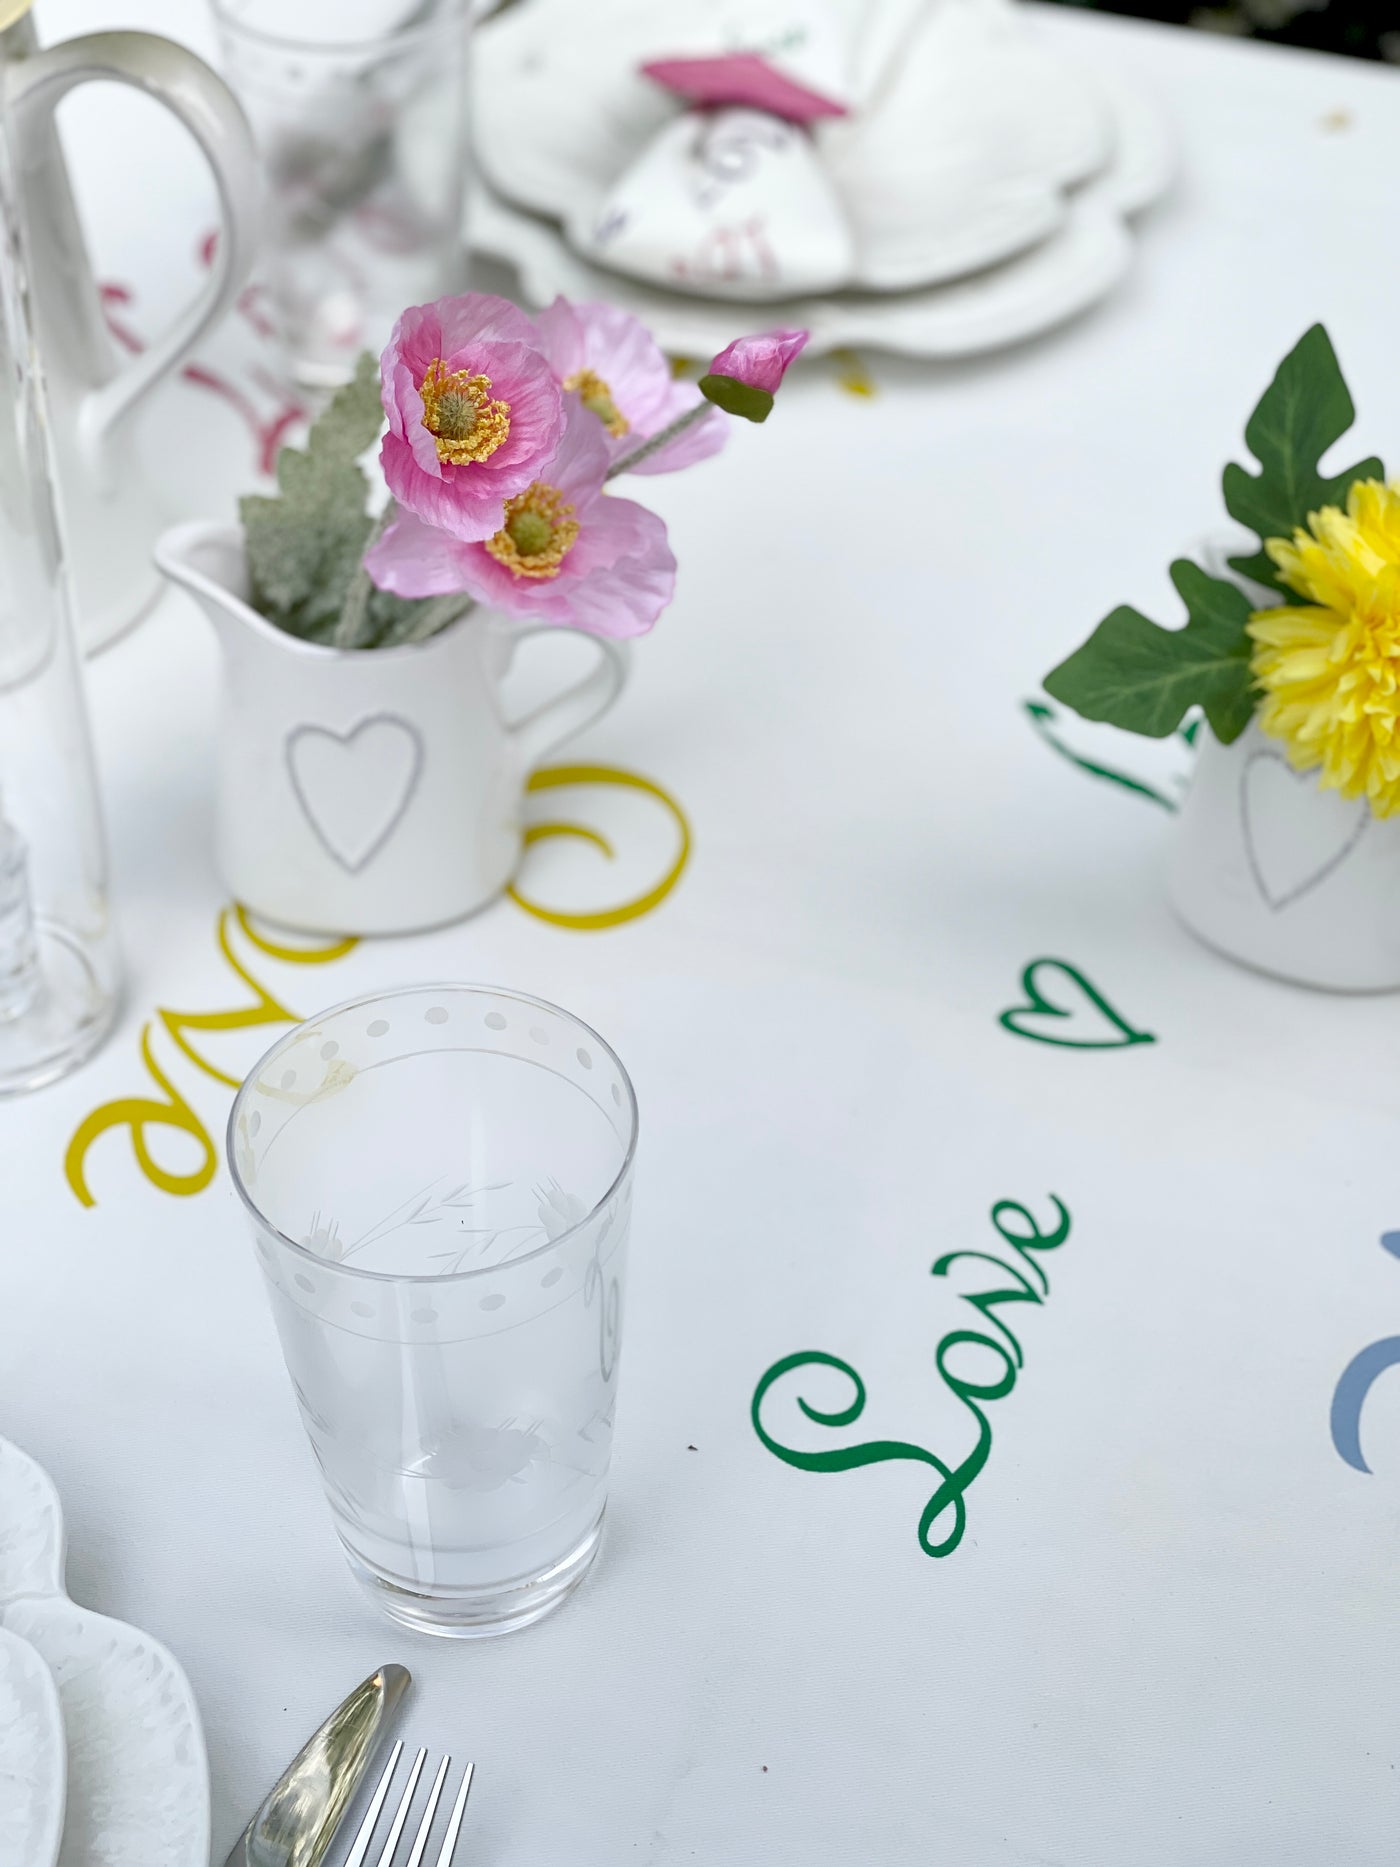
<point x="421" y="1842"/>
<point x="449" y="1840"/>
<point x="386" y="1859"/>
<point x="355" y="1858"/>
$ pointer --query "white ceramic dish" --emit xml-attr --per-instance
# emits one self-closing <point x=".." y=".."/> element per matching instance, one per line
<point x="137" y="1775"/>
<point x="33" y="1764"/>
<point x="1027" y="295"/>
<point x="969" y="143"/>
<point x="1065" y="273"/>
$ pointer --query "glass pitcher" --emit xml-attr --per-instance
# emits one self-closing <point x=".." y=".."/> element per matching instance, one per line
<point x="59" y="967"/>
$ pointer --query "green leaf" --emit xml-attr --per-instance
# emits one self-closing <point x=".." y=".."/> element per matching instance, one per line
<point x="351" y="420"/>
<point x="737" y="398"/>
<point x="1133" y="673"/>
<point x="1304" y="410"/>
<point x="305" y="544"/>
<point x="392" y="618"/>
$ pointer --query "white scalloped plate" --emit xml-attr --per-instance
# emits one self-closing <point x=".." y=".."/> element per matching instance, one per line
<point x="33" y="1764"/>
<point x="137" y="1774"/>
<point x="960" y="156"/>
<point x="1033" y="292"/>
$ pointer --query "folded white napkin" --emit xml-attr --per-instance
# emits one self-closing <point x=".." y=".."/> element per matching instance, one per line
<point x="732" y="203"/>
<point x="731" y="198"/>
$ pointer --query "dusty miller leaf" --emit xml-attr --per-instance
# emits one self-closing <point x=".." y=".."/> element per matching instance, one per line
<point x="1304" y="410"/>
<point x="351" y="420"/>
<point x="1135" y="674"/>
<point x="305" y="543"/>
<point x="392" y="617"/>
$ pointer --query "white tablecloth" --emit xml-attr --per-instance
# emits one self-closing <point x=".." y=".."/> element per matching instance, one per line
<point x="1169" y="1633"/>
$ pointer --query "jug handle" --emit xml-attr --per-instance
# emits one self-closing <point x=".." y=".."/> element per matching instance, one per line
<point x="565" y="715"/>
<point x="202" y="101"/>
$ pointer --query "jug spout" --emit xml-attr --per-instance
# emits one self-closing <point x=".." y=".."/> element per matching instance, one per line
<point x="208" y="560"/>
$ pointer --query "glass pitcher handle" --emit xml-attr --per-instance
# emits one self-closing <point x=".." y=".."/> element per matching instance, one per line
<point x="201" y="100"/>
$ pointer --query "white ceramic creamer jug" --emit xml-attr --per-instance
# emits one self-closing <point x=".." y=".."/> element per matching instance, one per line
<point x="370" y="790"/>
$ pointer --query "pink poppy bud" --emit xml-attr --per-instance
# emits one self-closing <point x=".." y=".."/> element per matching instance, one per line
<point x="744" y="377"/>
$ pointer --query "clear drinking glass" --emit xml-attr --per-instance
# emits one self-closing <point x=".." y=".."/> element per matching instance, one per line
<point x="59" y="967"/>
<point x="360" y="111"/>
<point x="440" y="1182"/>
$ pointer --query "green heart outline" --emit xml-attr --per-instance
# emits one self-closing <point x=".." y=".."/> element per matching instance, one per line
<point x="1037" y="1005"/>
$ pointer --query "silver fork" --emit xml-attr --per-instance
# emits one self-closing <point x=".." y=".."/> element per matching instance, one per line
<point x="360" y="1847"/>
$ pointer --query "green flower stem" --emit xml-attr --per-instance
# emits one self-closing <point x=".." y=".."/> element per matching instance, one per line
<point x="351" y="628"/>
<point x="664" y="439"/>
<point x="436" y="616"/>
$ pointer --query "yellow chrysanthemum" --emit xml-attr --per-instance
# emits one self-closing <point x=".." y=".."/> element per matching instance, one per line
<point x="1331" y="671"/>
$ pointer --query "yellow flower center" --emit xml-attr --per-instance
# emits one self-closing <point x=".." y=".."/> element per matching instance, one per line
<point x="595" y="394"/>
<point x="539" y="532"/>
<point x="460" y="415"/>
<point x="1330" y="667"/>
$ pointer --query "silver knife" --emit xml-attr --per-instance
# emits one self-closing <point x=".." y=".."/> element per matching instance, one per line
<point x="297" y="1823"/>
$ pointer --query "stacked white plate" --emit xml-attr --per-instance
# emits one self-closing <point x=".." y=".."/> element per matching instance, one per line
<point x="102" y="1759"/>
<point x="976" y="190"/>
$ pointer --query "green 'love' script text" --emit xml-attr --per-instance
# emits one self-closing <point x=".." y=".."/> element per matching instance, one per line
<point x="1029" y="1284"/>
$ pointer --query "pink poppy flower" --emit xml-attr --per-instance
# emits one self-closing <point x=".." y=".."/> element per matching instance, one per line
<point x="474" y="411"/>
<point x="612" y="361"/>
<point x="568" y="552"/>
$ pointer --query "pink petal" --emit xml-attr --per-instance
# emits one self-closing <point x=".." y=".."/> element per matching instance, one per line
<point x="610" y="530"/>
<point x="580" y="462"/>
<point x="408" y="406"/>
<point x="624" y="596"/>
<point x="626" y="355"/>
<point x="562" y="337"/>
<point x="414" y="559"/>
<point x="619" y="576"/>
<point x="742" y="78"/>
<point x="492" y="584"/>
<point x="626" y="600"/>
<point x="620" y="349"/>
<point x="761" y="361"/>
<point x="452" y="500"/>
<point x="616" y="581"/>
<point x="523" y="379"/>
<point x="415" y="340"/>
<point x="480" y="317"/>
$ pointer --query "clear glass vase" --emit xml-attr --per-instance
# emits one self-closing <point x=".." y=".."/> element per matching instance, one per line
<point x="440" y="1184"/>
<point x="59" y="968"/>
<point x="359" y="108"/>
